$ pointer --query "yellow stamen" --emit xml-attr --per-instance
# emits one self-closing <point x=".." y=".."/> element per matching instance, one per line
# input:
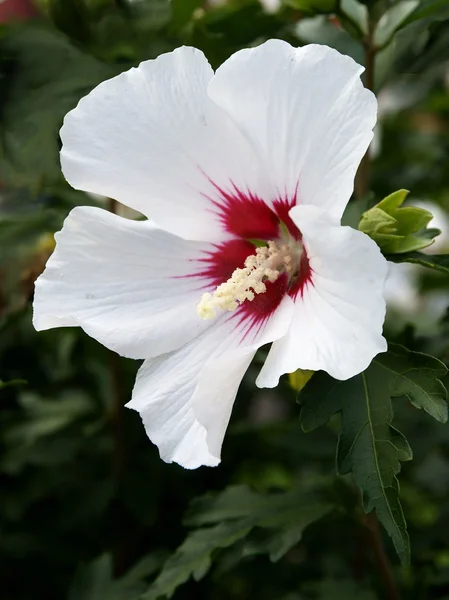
<point x="248" y="281"/>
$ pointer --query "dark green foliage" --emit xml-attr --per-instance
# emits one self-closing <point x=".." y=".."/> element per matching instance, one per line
<point x="96" y="580"/>
<point x="369" y="446"/>
<point x="231" y="517"/>
<point x="44" y="70"/>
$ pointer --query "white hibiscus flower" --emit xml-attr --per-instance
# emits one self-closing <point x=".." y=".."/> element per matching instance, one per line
<point x="265" y="149"/>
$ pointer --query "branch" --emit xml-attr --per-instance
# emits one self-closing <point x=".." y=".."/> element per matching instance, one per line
<point x="380" y="557"/>
<point x="363" y="176"/>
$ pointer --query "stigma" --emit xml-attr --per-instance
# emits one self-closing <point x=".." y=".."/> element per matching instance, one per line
<point x="246" y="282"/>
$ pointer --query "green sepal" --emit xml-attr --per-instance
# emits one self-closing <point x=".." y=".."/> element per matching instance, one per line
<point x="397" y="229"/>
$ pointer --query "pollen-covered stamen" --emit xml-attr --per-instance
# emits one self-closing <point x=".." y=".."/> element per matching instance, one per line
<point x="265" y="265"/>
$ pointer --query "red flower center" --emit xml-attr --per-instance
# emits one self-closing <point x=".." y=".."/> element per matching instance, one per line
<point x="250" y="219"/>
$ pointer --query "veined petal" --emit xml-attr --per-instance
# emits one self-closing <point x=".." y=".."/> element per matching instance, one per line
<point x="152" y="139"/>
<point x="306" y="113"/>
<point x="185" y="397"/>
<point x="339" y="312"/>
<point x="126" y="283"/>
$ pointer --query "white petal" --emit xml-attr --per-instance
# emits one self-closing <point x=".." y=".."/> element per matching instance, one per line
<point x="185" y="398"/>
<point x="337" y="322"/>
<point x="123" y="282"/>
<point x="306" y="113"/>
<point x="152" y="139"/>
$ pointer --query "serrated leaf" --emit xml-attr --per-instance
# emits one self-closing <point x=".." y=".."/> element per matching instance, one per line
<point x="417" y="376"/>
<point x="231" y="515"/>
<point x="437" y="262"/>
<point x="234" y="502"/>
<point x="369" y="447"/>
<point x="194" y="557"/>
<point x="95" y="581"/>
<point x="392" y="20"/>
<point x="287" y="535"/>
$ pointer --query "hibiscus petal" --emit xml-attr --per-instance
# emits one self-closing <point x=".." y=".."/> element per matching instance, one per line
<point x="306" y="113"/>
<point x="152" y="139"/>
<point x="338" y="315"/>
<point x="185" y="397"/>
<point x="126" y="283"/>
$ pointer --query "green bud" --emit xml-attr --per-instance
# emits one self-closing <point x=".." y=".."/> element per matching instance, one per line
<point x="299" y="378"/>
<point x="398" y="229"/>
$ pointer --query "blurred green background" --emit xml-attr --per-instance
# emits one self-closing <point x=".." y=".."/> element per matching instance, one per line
<point x="87" y="509"/>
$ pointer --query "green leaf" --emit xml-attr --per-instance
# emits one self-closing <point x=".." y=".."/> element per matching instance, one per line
<point x="231" y="515"/>
<point x="46" y="417"/>
<point x="234" y="502"/>
<point x="313" y="6"/>
<point x="70" y="16"/>
<point x="429" y="9"/>
<point x="182" y="11"/>
<point x="95" y="581"/>
<point x="27" y="228"/>
<point x="368" y="447"/>
<point x="92" y="582"/>
<point x="356" y="13"/>
<point x="392" y="20"/>
<point x="194" y="557"/>
<point x="319" y="30"/>
<point x="48" y="76"/>
<point x="418" y="377"/>
<point x="11" y="383"/>
<point x="151" y="15"/>
<point x="437" y="262"/>
<point x="397" y="229"/>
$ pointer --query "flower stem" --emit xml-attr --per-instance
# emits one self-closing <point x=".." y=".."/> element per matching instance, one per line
<point x="363" y="176"/>
<point x="380" y="557"/>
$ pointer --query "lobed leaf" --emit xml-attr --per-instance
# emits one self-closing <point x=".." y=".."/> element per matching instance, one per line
<point x="416" y="376"/>
<point x="369" y="447"/>
<point x="95" y="581"/>
<point x="194" y="557"/>
<point x="231" y="516"/>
